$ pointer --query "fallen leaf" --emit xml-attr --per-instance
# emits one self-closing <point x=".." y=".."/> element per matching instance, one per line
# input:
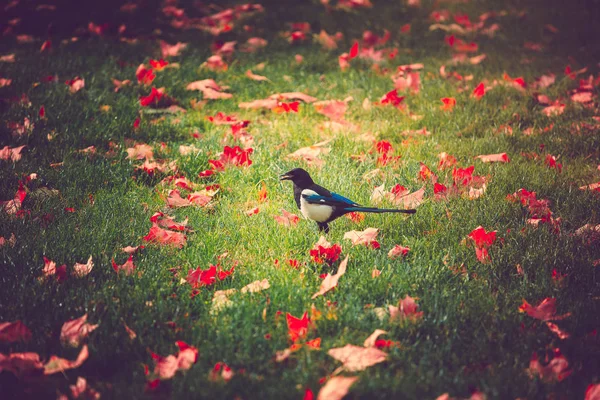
<point x="14" y="332"/>
<point x="356" y="358"/>
<point x="370" y="341"/>
<point x="287" y="219"/>
<point x="501" y="157"/>
<point x="56" y="364"/>
<point x="75" y="331"/>
<point x="255" y="77"/>
<point x="545" y="311"/>
<point x="556" y="370"/>
<point x="336" y="388"/>
<point x="366" y="237"/>
<point x="398" y="251"/>
<point x="81" y="270"/>
<point x="331" y="281"/>
<point x="406" y="309"/>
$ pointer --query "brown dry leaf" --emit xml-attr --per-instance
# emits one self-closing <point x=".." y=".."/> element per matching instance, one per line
<point x="139" y="152"/>
<point x="412" y="200"/>
<point x="331" y="281"/>
<point x="311" y="154"/>
<point x="356" y="358"/>
<point x="261" y="103"/>
<point x="81" y="270"/>
<point x="336" y="388"/>
<point x="488" y="158"/>
<point x="57" y="364"/>
<point x="255" y="77"/>
<point x="293" y="96"/>
<point x="334" y="109"/>
<point x="256" y="286"/>
<point x="370" y="341"/>
<point x="362" y="237"/>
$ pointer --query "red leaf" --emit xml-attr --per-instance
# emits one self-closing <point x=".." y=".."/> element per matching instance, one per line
<point x="165" y="237"/>
<point x="128" y="268"/>
<point x="479" y="91"/>
<point x="57" y="364"/>
<point x="545" y="311"/>
<point x="73" y="332"/>
<point x="14" y="332"/>
<point x="353" y="51"/>
<point x="297" y="327"/>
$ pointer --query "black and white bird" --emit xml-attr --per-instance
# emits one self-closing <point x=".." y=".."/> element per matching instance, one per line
<point x="322" y="206"/>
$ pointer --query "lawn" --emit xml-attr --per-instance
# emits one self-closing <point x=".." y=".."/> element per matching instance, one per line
<point x="148" y="248"/>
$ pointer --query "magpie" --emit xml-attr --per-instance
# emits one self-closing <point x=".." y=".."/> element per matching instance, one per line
<point x="322" y="206"/>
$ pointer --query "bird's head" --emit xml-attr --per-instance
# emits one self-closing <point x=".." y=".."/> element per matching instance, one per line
<point x="300" y="177"/>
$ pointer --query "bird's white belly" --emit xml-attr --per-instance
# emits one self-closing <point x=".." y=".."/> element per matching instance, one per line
<point x="315" y="212"/>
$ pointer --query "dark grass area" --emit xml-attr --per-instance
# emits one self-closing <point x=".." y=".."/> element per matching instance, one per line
<point x="472" y="336"/>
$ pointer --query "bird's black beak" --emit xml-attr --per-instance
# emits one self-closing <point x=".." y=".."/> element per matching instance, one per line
<point x="285" y="177"/>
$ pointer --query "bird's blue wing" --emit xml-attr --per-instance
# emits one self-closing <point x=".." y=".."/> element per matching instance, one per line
<point x="334" y="199"/>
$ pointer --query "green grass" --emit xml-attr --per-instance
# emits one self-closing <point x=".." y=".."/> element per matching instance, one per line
<point x="472" y="336"/>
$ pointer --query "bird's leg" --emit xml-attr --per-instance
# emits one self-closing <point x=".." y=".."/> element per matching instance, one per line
<point x="323" y="227"/>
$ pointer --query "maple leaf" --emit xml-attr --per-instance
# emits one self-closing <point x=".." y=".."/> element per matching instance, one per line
<point x="255" y="77"/>
<point x="286" y="107"/>
<point x="75" y="331"/>
<point x="198" y="277"/>
<point x="311" y="154"/>
<point x="50" y="269"/>
<point x="393" y="99"/>
<point x="210" y="89"/>
<point x="551" y="162"/>
<point x="556" y="330"/>
<point x="449" y="103"/>
<point x="261" y="103"/>
<point x="554" y="109"/>
<point x="479" y="91"/>
<point x="331" y="281"/>
<point x="557" y="369"/>
<point x="75" y="84"/>
<point x="232" y="156"/>
<point x="408" y="81"/>
<point x="158" y="65"/>
<point x="145" y="76"/>
<point x="56" y="364"/>
<point x="256" y="286"/>
<point x="128" y="267"/>
<point x="81" y="390"/>
<point x="545" y="311"/>
<point x="592" y="392"/>
<point x="221" y="371"/>
<point x="297" y="327"/>
<point x="15" y="331"/>
<point x="366" y="237"/>
<point x="11" y="153"/>
<point x="337" y="387"/>
<point x="140" y="152"/>
<point x="406" y="310"/>
<point x="333" y="109"/>
<point x="398" y="251"/>
<point x="287" y="219"/>
<point x="356" y="358"/>
<point x="21" y="364"/>
<point x="501" y="157"/>
<point x="216" y="63"/>
<point x="165" y="237"/>
<point x="152" y="99"/>
<point x="372" y="339"/>
<point x="254" y="44"/>
<point x="166" y="367"/>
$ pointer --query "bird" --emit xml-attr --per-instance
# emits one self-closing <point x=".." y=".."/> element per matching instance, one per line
<point x="322" y="206"/>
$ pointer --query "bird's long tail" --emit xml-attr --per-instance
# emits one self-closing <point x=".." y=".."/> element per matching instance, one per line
<point x="379" y="210"/>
